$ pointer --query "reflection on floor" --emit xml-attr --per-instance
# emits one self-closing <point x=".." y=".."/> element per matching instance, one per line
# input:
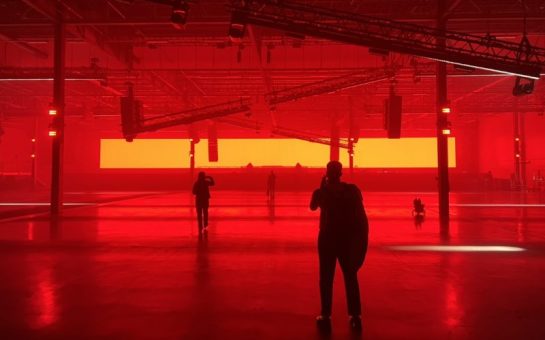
<point x="136" y="268"/>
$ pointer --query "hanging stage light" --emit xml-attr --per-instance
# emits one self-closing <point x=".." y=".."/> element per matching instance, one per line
<point x="237" y="28"/>
<point x="523" y="87"/>
<point x="180" y="10"/>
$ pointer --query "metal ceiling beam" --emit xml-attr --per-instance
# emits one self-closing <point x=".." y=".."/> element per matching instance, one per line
<point x="463" y="49"/>
<point x="25" y="46"/>
<point x="45" y="73"/>
<point x="89" y="34"/>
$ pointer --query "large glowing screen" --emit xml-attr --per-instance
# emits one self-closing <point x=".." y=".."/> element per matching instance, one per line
<point x="174" y="153"/>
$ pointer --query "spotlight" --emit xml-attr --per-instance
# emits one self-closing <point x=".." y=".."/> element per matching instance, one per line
<point x="446" y="132"/>
<point x="523" y="86"/>
<point x="237" y="28"/>
<point x="179" y="14"/>
<point x="52" y="133"/>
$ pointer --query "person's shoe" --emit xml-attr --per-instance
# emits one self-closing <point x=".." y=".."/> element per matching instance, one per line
<point x="323" y="323"/>
<point x="355" y="323"/>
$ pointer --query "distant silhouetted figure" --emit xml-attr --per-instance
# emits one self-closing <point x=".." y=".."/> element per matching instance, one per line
<point x="343" y="236"/>
<point x="538" y="181"/>
<point x="418" y="207"/>
<point x="271" y="186"/>
<point x="202" y="198"/>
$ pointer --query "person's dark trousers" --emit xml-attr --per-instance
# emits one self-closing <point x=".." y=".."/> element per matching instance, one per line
<point x="202" y="216"/>
<point x="350" y="252"/>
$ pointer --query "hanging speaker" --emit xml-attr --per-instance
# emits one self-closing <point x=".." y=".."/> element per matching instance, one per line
<point x="392" y="116"/>
<point x="131" y="116"/>
<point x="212" y="143"/>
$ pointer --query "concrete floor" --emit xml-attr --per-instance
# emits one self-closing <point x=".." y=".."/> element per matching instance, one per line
<point x="136" y="269"/>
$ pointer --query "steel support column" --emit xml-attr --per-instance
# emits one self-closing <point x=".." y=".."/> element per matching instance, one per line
<point x="442" y="123"/>
<point x="58" y="123"/>
<point x="192" y="158"/>
<point x="519" y="149"/>
<point x="523" y="160"/>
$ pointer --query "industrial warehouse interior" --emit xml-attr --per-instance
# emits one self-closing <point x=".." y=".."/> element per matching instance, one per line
<point x="171" y="169"/>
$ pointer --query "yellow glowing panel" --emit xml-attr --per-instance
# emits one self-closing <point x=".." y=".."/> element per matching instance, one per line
<point x="263" y="152"/>
<point x="144" y="153"/>
<point x="174" y="153"/>
<point x="401" y="153"/>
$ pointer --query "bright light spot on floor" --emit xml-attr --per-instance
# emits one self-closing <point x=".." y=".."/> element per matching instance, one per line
<point x="458" y="248"/>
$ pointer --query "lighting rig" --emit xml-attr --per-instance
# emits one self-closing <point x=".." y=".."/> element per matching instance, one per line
<point x="178" y="17"/>
<point x="180" y="11"/>
<point x="383" y="34"/>
<point x="133" y="122"/>
<point x="237" y="28"/>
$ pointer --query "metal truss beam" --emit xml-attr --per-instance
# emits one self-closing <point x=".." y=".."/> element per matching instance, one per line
<point x="273" y="98"/>
<point x="329" y="85"/>
<point x="281" y="131"/>
<point x="194" y="115"/>
<point x="460" y="48"/>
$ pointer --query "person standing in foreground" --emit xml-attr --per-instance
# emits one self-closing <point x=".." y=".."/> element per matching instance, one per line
<point x="343" y="236"/>
<point x="202" y="199"/>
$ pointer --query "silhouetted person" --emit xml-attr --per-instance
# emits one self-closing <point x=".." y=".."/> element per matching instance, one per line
<point x="202" y="198"/>
<point x="418" y="207"/>
<point x="271" y="186"/>
<point x="343" y="236"/>
<point x="538" y="181"/>
<point x="418" y="219"/>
